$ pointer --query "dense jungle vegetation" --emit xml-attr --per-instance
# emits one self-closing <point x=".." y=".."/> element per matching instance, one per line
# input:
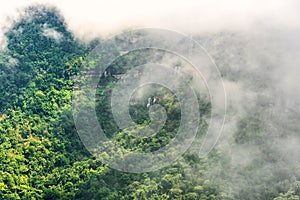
<point x="41" y="155"/>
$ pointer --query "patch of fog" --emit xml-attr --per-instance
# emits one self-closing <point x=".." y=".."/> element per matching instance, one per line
<point x="52" y="33"/>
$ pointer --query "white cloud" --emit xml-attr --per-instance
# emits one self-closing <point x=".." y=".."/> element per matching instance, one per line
<point x="98" y="17"/>
<point x="50" y="32"/>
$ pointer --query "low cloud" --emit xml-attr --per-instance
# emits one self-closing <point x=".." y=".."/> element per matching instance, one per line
<point x="255" y="45"/>
<point x="91" y="18"/>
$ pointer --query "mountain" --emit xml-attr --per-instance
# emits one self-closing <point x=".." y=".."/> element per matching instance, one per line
<point x="43" y="157"/>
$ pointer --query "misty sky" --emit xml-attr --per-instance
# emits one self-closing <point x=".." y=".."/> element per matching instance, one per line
<point x="92" y="18"/>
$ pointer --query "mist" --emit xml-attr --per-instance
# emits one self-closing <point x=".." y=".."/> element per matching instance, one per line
<point x="93" y="18"/>
<point x="255" y="45"/>
<point x="263" y="104"/>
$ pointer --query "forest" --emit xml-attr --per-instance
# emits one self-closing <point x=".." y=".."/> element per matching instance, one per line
<point x="42" y="156"/>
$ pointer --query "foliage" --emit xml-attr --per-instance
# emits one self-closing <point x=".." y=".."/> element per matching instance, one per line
<point x="41" y="155"/>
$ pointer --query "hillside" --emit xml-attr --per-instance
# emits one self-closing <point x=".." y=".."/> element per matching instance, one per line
<point x="43" y="157"/>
